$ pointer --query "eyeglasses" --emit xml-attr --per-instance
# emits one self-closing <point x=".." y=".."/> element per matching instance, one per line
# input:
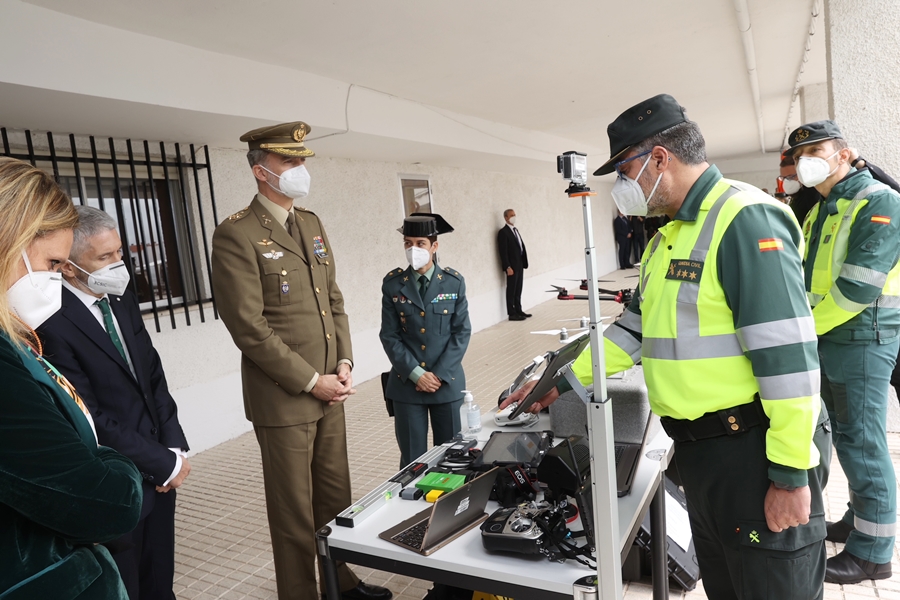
<point x="618" y="165"/>
<point x="787" y="178"/>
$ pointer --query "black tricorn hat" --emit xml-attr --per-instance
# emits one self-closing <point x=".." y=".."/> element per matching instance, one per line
<point x="641" y="121"/>
<point x="424" y="225"/>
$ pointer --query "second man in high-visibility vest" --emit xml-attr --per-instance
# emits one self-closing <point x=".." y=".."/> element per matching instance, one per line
<point x="728" y="344"/>
<point x="853" y="285"/>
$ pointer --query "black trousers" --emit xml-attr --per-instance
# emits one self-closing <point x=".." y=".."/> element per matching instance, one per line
<point x="624" y="252"/>
<point x="725" y="481"/>
<point x="146" y="560"/>
<point x="514" y="292"/>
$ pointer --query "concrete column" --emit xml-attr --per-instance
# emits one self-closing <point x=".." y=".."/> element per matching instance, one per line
<point x="862" y="47"/>
<point x="814" y="103"/>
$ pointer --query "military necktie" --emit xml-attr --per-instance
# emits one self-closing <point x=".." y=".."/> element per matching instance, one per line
<point x="423" y="286"/>
<point x="293" y="229"/>
<point x="103" y="303"/>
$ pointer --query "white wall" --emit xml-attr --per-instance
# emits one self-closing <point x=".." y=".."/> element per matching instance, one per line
<point x="359" y="203"/>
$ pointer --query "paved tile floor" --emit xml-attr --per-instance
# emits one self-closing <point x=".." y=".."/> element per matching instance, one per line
<point x="222" y="538"/>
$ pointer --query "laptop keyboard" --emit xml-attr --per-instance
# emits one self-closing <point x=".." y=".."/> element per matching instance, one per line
<point x="619" y="451"/>
<point x="413" y="536"/>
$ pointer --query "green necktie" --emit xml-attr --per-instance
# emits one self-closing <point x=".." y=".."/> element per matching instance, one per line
<point x="103" y="303"/>
<point x="423" y="286"/>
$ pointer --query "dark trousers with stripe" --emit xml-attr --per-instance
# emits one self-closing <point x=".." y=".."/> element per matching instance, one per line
<point x="725" y="481"/>
<point x="855" y="389"/>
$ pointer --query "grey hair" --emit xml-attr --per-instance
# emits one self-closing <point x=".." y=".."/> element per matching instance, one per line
<point x="91" y="221"/>
<point x="256" y="157"/>
<point x="684" y="141"/>
<point x="506" y="212"/>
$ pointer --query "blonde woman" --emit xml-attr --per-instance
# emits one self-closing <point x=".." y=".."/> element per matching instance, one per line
<point x="60" y="493"/>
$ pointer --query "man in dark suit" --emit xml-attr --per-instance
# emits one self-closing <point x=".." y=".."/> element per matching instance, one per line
<point x="513" y="260"/>
<point x="622" y="230"/>
<point x="99" y="343"/>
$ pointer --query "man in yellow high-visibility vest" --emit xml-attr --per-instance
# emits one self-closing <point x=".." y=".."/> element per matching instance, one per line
<point x="853" y="284"/>
<point x="721" y="323"/>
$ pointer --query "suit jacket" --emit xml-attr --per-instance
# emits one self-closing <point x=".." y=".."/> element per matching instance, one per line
<point x="621" y="227"/>
<point x="59" y="492"/>
<point x="136" y="416"/>
<point x="510" y="253"/>
<point x="432" y="333"/>
<point x="284" y="310"/>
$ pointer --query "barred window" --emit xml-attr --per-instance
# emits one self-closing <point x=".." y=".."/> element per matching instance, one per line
<point x="162" y="197"/>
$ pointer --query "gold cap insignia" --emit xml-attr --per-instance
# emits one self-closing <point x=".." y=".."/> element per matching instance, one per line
<point x="285" y="139"/>
<point x="802" y="134"/>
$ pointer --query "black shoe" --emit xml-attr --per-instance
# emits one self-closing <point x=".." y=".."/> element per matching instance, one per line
<point x="516" y="317"/>
<point x="838" y="531"/>
<point x="364" y="591"/>
<point x="844" y="568"/>
<point x="525" y="314"/>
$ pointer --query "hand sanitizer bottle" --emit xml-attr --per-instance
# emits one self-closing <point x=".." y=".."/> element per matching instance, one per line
<point x="464" y="416"/>
<point x="473" y="416"/>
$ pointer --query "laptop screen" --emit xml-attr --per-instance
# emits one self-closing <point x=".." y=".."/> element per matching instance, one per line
<point x="455" y="510"/>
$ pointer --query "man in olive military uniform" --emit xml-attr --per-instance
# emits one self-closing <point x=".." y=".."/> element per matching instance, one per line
<point x="274" y="283"/>
<point x="425" y="331"/>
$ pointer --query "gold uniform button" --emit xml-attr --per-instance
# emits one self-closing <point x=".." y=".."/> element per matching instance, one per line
<point x="323" y="313"/>
<point x="421" y="314"/>
<point x="422" y="364"/>
<point x="317" y="290"/>
<point x="327" y="336"/>
<point x="276" y="383"/>
<point x="735" y="426"/>
<point x="327" y="263"/>
<point x="422" y="330"/>
<point x="423" y="346"/>
<point x="445" y="311"/>
<point x="312" y="266"/>
<point x="402" y="314"/>
<point x="283" y="272"/>
<point x="731" y="419"/>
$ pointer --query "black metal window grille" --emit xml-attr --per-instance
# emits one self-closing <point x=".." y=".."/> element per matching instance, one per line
<point x="161" y="195"/>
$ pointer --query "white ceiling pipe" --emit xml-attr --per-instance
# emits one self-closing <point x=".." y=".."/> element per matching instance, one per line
<point x="743" y="18"/>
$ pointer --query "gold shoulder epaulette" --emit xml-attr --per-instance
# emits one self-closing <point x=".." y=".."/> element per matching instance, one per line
<point x="239" y="214"/>
<point x="394" y="273"/>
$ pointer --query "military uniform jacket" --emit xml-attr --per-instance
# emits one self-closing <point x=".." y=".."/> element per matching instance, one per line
<point x="284" y="310"/>
<point x="432" y="333"/>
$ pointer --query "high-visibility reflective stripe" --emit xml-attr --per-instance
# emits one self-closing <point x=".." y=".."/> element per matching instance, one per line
<point x="624" y="340"/>
<point x="845" y="303"/>
<point x="691" y="347"/>
<point x="874" y="529"/>
<point x="790" y="385"/>
<point x="885" y="301"/>
<point x="777" y="333"/>
<point x="863" y="275"/>
<point x="875" y="187"/>
<point x="653" y="246"/>
<point x="814" y="298"/>
<point x="630" y="320"/>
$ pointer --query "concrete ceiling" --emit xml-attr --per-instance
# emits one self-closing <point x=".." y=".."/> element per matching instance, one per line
<point x="565" y="69"/>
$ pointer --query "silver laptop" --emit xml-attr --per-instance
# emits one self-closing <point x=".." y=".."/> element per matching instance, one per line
<point x="452" y="514"/>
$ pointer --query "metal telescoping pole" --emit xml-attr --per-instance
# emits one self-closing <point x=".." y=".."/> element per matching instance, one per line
<point x="600" y="432"/>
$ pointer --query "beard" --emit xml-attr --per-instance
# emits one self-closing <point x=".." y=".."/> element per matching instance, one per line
<point x="656" y="206"/>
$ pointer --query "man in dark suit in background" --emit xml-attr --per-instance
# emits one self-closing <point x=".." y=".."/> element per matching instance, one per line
<point x="622" y="230"/>
<point x="514" y="260"/>
<point x="99" y="343"/>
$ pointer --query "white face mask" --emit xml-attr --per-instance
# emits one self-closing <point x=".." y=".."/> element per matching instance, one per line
<point x="512" y="220"/>
<point x="293" y="183"/>
<point x="628" y="195"/>
<point x="111" y="279"/>
<point x="417" y="257"/>
<point x="790" y="186"/>
<point x="36" y="296"/>
<point x="811" y="171"/>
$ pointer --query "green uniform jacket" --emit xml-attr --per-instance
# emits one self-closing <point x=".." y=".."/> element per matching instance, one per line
<point x="432" y="333"/>
<point x="284" y="310"/>
<point x="754" y="280"/>
<point x="60" y="493"/>
<point x="860" y="300"/>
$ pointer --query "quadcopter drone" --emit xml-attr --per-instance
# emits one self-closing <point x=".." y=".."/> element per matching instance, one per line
<point x="622" y="296"/>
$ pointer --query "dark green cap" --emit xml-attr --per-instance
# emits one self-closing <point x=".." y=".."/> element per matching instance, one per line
<point x="638" y="123"/>
<point x="812" y="133"/>
<point x="424" y="225"/>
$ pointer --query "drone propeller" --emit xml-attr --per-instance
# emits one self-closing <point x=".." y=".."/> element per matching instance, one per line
<point x="613" y="280"/>
<point x="581" y="319"/>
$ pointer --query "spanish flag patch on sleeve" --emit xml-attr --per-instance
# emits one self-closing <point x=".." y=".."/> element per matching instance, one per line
<point x="881" y="219"/>
<point x="769" y="244"/>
